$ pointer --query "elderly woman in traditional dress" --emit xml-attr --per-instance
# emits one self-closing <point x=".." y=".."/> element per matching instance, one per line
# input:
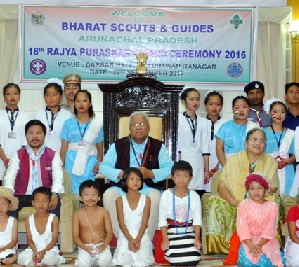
<point x="220" y="210"/>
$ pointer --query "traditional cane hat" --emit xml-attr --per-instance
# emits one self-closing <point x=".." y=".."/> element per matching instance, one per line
<point x="7" y="193"/>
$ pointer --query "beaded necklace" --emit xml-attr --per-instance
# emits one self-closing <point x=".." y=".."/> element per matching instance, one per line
<point x="252" y="167"/>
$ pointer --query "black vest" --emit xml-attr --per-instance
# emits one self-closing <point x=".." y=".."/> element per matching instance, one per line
<point x="122" y="147"/>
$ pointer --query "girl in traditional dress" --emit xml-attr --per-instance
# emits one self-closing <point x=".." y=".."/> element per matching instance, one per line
<point x="292" y="244"/>
<point x="180" y="219"/>
<point x="280" y="144"/>
<point x="12" y="125"/>
<point x="53" y="117"/>
<point x="213" y="104"/>
<point x="230" y="139"/>
<point x="82" y="142"/>
<point x="193" y="145"/>
<point x="257" y="224"/>
<point x="134" y="246"/>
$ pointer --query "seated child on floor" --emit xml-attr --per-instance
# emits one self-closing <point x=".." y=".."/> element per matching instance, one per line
<point x="42" y="232"/>
<point x="180" y="219"/>
<point x="257" y="225"/>
<point x="92" y="229"/>
<point x="8" y="226"/>
<point x="134" y="246"/>
<point x="292" y="244"/>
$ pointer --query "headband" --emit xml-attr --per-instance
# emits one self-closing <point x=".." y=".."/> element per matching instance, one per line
<point x="55" y="80"/>
<point x="269" y="103"/>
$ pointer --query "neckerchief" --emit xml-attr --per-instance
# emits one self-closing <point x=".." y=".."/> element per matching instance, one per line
<point x="258" y="116"/>
<point x="34" y="159"/>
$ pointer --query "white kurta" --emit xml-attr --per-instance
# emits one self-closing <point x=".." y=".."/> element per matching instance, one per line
<point x="193" y="153"/>
<point x="213" y="160"/>
<point x="10" y="145"/>
<point x="53" y="140"/>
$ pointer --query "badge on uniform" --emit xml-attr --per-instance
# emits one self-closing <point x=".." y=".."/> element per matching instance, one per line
<point x="12" y="135"/>
<point x="50" y="134"/>
<point x="193" y="143"/>
<point x="82" y="143"/>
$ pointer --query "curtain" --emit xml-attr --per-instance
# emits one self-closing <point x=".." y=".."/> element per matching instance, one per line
<point x="9" y="50"/>
<point x="271" y="58"/>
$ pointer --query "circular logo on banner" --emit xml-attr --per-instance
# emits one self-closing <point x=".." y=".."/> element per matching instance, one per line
<point x="235" y="70"/>
<point x="38" y="66"/>
<point x="37" y="18"/>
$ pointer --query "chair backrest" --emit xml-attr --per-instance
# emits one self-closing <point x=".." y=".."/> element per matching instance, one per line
<point x="67" y="183"/>
<point x="141" y="93"/>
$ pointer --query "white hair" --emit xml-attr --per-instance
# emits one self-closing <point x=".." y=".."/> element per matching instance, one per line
<point x="135" y="113"/>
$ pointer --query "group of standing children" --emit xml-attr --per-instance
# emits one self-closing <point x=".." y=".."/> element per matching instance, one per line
<point x="196" y="138"/>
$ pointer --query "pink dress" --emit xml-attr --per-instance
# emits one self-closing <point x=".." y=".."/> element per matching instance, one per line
<point x="256" y="221"/>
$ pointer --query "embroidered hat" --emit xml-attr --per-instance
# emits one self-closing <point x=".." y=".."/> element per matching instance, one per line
<point x="72" y="78"/>
<point x="7" y="193"/>
<point x="254" y="85"/>
<point x="257" y="177"/>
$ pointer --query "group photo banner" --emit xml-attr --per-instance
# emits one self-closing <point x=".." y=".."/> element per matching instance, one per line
<point x="101" y="43"/>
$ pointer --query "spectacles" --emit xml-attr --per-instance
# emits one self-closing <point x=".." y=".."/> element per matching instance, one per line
<point x="139" y="124"/>
<point x="260" y="140"/>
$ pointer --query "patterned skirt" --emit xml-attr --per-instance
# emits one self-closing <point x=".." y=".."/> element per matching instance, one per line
<point x="181" y="250"/>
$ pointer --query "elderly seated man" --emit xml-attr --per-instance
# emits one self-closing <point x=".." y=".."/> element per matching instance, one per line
<point x="136" y="150"/>
<point x="33" y="166"/>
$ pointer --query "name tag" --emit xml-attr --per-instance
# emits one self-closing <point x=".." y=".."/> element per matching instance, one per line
<point x="50" y="134"/>
<point x="12" y="135"/>
<point x="48" y="168"/>
<point x="193" y="144"/>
